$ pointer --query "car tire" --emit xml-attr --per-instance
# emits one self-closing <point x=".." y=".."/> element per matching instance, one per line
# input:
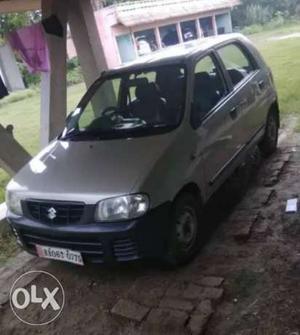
<point x="270" y="141"/>
<point x="184" y="240"/>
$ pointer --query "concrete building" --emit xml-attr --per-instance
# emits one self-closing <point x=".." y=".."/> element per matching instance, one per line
<point x="130" y="29"/>
<point x="9" y="70"/>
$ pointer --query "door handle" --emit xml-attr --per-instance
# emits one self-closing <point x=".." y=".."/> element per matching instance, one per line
<point x="261" y="84"/>
<point x="243" y="102"/>
<point x="233" y="113"/>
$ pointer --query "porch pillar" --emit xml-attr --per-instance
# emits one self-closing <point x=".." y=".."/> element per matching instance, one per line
<point x="230" y="23"/>
<point x="158" y="37"/>
<point x="215" y="26"/>
<point x="179" y="32"/>
<point x="54" y="83"/>
<point x="86" y="38"/>
<point x="199" y="29"/>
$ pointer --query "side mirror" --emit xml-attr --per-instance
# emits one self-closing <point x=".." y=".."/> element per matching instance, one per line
<point x="69" y="116"/>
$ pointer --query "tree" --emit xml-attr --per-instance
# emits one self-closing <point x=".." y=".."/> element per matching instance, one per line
<point x="261" y="11"/>
<point x="9" y="22"/>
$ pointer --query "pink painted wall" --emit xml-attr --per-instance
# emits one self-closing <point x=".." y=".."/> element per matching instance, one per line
<point x="105" y="19"/>
<point x="109" y="28"/>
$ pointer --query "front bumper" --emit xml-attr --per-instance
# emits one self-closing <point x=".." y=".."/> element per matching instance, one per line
<point x="143" y="238"/>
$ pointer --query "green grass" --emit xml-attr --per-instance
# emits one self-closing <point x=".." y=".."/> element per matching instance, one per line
<point x="282" y="56"/>
<point x="8" y="248"/>
<point x="18" y="96"/>
<point x="25" y="116"/>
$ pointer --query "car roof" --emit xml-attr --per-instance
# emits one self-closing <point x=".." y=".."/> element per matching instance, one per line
<point x="179" y="53"/>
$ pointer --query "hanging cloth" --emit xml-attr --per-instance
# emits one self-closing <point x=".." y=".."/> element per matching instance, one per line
<point x="3" y="89"/>
<point x="30" y="42"/>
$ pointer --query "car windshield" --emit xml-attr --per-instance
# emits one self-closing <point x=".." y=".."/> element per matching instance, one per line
<point x="130" y="104"/>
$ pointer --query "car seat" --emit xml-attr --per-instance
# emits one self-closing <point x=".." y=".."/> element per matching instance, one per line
<point x="148" y="106"/>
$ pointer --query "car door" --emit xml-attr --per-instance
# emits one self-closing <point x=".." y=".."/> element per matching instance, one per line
<point x="212" y="121"/>
<point x="246" y="92"/>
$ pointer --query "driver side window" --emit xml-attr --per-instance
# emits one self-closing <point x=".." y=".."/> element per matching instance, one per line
<point x="108" y="95"/>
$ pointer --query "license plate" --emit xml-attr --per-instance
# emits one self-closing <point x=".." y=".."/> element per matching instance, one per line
<point x="59" y="254"/>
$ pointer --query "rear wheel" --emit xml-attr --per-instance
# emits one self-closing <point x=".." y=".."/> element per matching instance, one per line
<point x="270" y="141"/>
<point x="185" y="230"/>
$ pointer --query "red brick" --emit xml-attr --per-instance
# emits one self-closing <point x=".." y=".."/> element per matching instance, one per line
<point x="175" y="303"/>
<point x="130" y="310"/>
<point x="166" y="321"/>
<point x="197" y="324"/>
<point x="244" y="232"/>
<point x="211" y="293"/>
<point x="176" y="289"/>
<point x="193" y="292"/>
<point x="211" y="281"/>
<point x="204" y="308"/>
<point x="151" y="296"/>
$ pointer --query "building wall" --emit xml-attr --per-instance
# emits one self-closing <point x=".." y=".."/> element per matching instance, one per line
<point x="106" y="20"/>
<point x="115" y="36"/>
<point x="220" y="21"/>
<point x="224" y="21"/>
<point x="9" y="69"/>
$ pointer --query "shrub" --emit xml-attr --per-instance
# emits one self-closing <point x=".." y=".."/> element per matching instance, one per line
<point x="254" y="29"/>
<point x="29" y="79"/>
<point x="17" y="96"/>
<point x="74" y="74"/>
<point x="72" y="63"/>
<point x="256" y="14"/>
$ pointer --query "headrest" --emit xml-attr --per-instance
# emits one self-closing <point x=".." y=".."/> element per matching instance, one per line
<point x="236" y="75"/>
<point x="147" y="92"/>
<point x="168" y="74"/>
<point x="202" y="78"/>
<point x="137" y="82"/>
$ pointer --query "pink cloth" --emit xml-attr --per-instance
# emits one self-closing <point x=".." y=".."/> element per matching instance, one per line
<point x="30" y="42"/>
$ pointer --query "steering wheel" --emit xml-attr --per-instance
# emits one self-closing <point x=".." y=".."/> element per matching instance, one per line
<point x="112" y="112"/>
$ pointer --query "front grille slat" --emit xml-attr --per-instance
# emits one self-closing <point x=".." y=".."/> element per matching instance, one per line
<point x="125" y="250"/>
<point x="83" y="246"/>
<point x="53" y="240"/>
<point x="63" y="213"/>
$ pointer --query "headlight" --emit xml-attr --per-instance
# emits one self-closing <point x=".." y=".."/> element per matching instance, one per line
<point x="122" y="208"/>
<point x="13" y="203"/>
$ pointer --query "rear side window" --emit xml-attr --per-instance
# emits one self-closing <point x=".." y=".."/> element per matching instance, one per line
<point x="209" y="89"/>
<point x="237" y="62"/>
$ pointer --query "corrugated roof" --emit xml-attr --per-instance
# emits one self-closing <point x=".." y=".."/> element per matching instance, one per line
<point x="12" y="6"/>
<point x="134" y="13"/>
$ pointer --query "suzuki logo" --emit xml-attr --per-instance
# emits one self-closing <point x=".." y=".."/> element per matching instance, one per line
<point x="52" y="213"/>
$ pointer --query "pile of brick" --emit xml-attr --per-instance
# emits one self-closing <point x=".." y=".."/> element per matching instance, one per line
<point x="177" y="307"/>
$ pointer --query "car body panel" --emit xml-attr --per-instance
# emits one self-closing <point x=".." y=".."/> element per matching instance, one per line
<point x="105" y="169"/>
<point x="157" y="165"/>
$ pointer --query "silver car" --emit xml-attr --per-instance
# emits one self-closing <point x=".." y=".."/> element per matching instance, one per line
<point x="146" y="148"/>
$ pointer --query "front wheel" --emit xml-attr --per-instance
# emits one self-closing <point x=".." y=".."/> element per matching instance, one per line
<point x="185" y="230"/>
<point x="270" y="141"/>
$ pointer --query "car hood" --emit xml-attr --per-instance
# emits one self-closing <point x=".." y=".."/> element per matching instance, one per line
<point x="89" y="171"/>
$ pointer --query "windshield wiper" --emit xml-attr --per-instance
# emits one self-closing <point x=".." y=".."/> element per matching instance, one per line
<point x="74" y="135"/>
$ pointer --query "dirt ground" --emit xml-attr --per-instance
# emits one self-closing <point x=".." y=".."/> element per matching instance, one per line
<point x="253" y="245"/>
